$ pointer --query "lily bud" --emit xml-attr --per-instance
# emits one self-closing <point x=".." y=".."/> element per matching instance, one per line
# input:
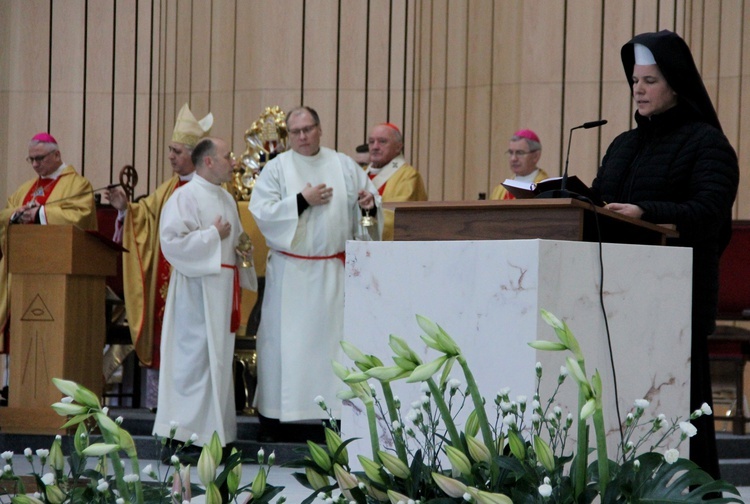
<point x="319" y="456"/>
<point x="401" y="348"/>
<point x="206" y="466"/>
<point x="259" y="483"/>
<point x="56" y="458"/>
<point x="213" y="496"/>
<point x="339" y="370"/>
<point x="396" y="497"/>
<point x="451" y="487"/>
<point x="81" y="438"/>
<point x="352" y="352"/>
<point x="69" y="409"/>
<point x="544" y="454"/>
<point x="483" y="497"/>
<point x="517" y="445"/>
<point x="346" y="480"/>
<point x="459" y="461"/>
<point x="387" y="374"/>
<point x="472" y="424"/>
<point x="26" y="499"/>
<point x="108" y="425"/>
<point x="54" y="494"/>
<point x="214" y="445"/>
<point x="424" y="372"/>
<point x="316" y="480"/>
<point x="588" y="409"/>
<point x="99" y="449"/>
<point x="333" y="441"/>
<point x="478" y="450"/>
<point x="371" y="468"/>
<point x="127" y="443"/>
<point x="550" y="346"/>
<point x="234" y="476"/>
<point x="394" y="465"/>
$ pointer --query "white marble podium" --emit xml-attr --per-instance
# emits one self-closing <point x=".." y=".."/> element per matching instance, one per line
<point x="488" y="294"/>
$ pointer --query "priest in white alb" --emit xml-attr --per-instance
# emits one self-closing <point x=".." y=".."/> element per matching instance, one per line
<point x="200" y="231"/>
<point x="307" y="202"/>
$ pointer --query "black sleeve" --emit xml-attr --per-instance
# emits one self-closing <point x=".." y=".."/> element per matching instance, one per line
<point x="302" y="204"/>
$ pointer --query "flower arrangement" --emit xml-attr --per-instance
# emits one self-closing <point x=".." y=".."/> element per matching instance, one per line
<point x="520" y="457"/>
<point x="110" y="481"/>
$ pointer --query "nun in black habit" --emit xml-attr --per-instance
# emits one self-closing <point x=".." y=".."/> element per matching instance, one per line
<point x="677" y="167"/>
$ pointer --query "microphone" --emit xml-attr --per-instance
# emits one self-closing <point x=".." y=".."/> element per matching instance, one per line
<point x="563" y="192"/>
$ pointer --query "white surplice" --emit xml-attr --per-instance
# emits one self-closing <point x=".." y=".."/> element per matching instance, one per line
<point x="302" y="321"/>
<point x="196" y="387"/>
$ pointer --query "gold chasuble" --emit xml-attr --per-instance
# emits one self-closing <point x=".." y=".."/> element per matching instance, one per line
<point x="397" y="181"/>
<point x="501" y="193"/>
<point x="146" y="272"/>
<point x="78" y="209"/>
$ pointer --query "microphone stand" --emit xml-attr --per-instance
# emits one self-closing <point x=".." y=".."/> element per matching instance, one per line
<point x="563" y="192"/>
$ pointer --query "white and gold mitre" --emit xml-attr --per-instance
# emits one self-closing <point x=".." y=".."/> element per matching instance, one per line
<point x="188" y="130"/>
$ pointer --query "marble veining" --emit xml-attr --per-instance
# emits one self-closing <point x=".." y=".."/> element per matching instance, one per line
<point x="487" y="295"/>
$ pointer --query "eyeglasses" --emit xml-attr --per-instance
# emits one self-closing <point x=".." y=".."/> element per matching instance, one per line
<point x="306" y="130"/>
<point x="38" y="159"/>
<point x="518" y="153"/>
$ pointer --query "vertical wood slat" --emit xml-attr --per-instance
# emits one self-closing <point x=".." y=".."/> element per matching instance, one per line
<point x="319" y="70"/>
<point x="67" y="79"/>
<point x="219" y="76"/>
<point x="28" y="81"/>
<point x="582" y="87"/>
<point x="123" y="99"/>
<point x="507" y="55"/>
<point x="96" y="141"/>
<point x="352" y="82"/>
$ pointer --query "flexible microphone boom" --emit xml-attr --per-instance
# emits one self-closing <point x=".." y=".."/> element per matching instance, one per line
<point x="563" y="192"/>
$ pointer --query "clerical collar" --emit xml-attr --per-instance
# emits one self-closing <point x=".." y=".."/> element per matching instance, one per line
<point x="188" y="177"/>
<point x="55" y="174"/>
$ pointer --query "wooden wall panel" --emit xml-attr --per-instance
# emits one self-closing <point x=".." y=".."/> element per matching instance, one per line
<point x="123" y="99"/>
<point x="28" y="86"/>
<point x="541" y="75"/>
<point x="67" y="79"/>
<point x="617" y="104"/>
<point x="436" y="132"/>
<point x="219" y="71"/>
<point x="145" y="138"/>
<point x="582" y="99"/>
<point x="457" y="77"/>
<point x="399" y="26"/>
<point x="471" y="102"/>
<point x="458" y="59"/>
<point x="742" y="140"/>
<point x="378" y="55"/>
<point x="507" y="54"/>
<point x="202" y="32"/>
<point x="98" y="96"/>
<point x="353" y="76"/>
<point x="320" y="66"/>
<point x="422" y="117"/>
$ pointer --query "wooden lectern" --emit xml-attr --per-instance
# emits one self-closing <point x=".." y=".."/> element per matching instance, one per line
<point x="57" y="319"/>
<point x="521" y="219"/>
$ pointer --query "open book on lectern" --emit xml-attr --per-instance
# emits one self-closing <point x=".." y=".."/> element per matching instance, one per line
<point x="526" y="190"/>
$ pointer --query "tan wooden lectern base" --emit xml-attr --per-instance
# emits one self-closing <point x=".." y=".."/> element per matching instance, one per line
<point x="57" y="322"/>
